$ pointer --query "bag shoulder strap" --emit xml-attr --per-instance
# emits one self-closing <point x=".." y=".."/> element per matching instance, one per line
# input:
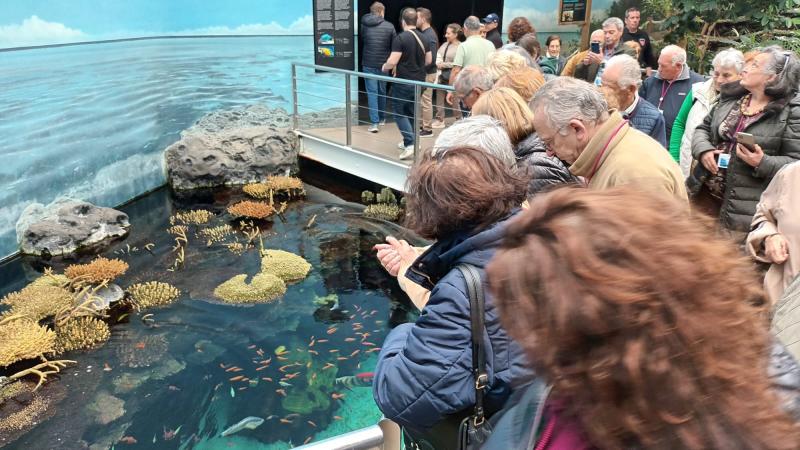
<point x="477" y="311"/>
<point x="419" y="41"/>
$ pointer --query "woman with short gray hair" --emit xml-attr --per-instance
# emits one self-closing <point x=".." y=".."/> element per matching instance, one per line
<point x="726" y="68"/>
<point x="751" y="133"/>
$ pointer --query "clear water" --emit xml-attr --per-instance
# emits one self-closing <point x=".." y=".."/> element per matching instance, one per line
<point x="169" y="374"/>
<point x="92" y="121"/>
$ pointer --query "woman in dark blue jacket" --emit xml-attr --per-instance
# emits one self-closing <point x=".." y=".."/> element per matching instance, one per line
<point x="462" y="198"/>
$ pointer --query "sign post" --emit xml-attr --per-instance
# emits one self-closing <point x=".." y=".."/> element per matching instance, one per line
<point x="577" y="12"/>
<point x="334" y="34"/>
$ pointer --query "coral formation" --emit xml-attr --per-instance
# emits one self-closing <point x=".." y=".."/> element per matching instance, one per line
<point x="11" y="390"/>
<point x="153" y="293"/>
<point x="367" y="197"/>
<point x="98" y="271"/>
<point x="286" y="266"/>
<point x="386" y="196"/>
<point x="22" y="338"/>
<point x="193" y="217"/>
<point x="383" y="211"/>
<point x="38" y="300"/>
<point x="81" y="333"/>
<point x="251" y="209"/>
<point x="264" y="287"/>
<point x="281" y="185"/>
<point x="25" y="417"/>
<point x="237" y="248"/>
<point x="216" y="234"/>
<point x="179" y="230"/>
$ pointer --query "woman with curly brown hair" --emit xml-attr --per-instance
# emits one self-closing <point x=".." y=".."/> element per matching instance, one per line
<point x="519" y="26"/>
<point x="651" y="331"/>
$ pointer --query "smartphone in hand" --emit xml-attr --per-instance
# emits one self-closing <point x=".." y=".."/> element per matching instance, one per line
<point x="595" y="47"/>
<point x="747" y="140"/>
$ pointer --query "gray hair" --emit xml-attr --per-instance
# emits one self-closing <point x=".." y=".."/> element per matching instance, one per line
<point x="472" y="24"/>
<point x="678" y="54"/>
<point x="613" y="21"/>
<point x="784" y="64"/>
<point x="629" y="74"/>
<point x="567" y="98"/>
<point x="484" y="132"/>
<point x="730" y="58"/>
<point x="473" y="77"/>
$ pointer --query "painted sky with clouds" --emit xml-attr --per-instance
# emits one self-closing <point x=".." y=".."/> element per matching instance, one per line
<point x="40" y="22"/>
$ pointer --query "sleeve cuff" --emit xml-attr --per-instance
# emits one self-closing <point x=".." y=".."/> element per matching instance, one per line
<point x="756" y="238"/>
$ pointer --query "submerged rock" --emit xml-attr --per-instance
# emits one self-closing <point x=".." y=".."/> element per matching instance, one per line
<point x="233" y="148"/>
<point x="105" y="408"/>
<point x="68" y="225"/>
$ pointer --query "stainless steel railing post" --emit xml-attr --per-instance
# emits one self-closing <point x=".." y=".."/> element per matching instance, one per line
<point x="417" y="95"/>
<point x="348" y="119"/>
<point x="294" y="97"/>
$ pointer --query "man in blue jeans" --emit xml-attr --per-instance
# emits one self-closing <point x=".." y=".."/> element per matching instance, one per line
<point x="377" y="36"/>
<point x="408" y="60"/>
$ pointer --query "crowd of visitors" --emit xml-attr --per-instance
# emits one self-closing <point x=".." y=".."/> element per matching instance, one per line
<point x="606" y="201"/>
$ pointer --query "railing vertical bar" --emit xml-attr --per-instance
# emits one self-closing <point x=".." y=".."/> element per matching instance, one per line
<point x="295" y="115"/>
<point x="417" y="95"/>
<point x="348" y="119"/>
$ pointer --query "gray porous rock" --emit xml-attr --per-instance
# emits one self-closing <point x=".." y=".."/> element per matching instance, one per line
<point x="67" y="225"/>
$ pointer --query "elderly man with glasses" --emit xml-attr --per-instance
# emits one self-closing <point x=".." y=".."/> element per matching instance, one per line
<point x="470" y="83"/>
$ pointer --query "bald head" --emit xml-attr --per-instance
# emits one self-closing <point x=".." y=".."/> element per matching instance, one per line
<point x="597" y="36"/>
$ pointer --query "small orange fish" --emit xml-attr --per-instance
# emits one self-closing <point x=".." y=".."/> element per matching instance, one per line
<point x="281" y="392"/>
<point x="368" y="344"/>
<point x="129" y="440"/>
<point x="260" y="352"/>
<point x="140" y="345"/>
<point x="308" y="439"/>
<point x="357" y="324"/>
<point x="328" y="366"/>
<point x="311" y="423"/>
<point x="286" y="421"/>
<point x="261" y="368"/>
<point x="333" y="351"/>
<point x="282" y="358"/>
<point x="290" y="376"/>
<point x="237" y="369"/>
<point x="266" y="361"/>
<point x="349" y="339"/>
<point x="337" y="396"/>
<point x="342" y="358"/>
<point x="373" y="312"/>
<point x="284" y="368"/>
<point x="332" y="330"/>
<point x="311" y="344"/>
<point x="373" y="349"/>
<point x="352" y="317"/>
<point x="230" y="369"/>
<point x="337" y="417"/>
<point x="267" y="379"/>
<point x="222" y="366"/>
<point x="355" y="352"/>
<point x="245" y="379"/>
<point x="236" y="378"/>
<point x="322" y="341"/>
<point x="106" y="367"/>
<point x="243" y="388"/>
<point x="250" y="347"/>
<point x="313" y="352"/>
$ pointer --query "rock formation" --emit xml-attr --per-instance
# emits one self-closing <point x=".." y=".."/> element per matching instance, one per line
<point x="67" y="225"/>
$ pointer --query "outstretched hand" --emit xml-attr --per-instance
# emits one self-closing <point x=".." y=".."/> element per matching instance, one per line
<point x="394" y="253"/>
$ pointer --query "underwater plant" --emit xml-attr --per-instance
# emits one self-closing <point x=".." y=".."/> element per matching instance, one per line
<point x="38" y="300"/>
<point x="251" y="209"/>
<point x="193" y="217"/>
<point x="285" y="265"/>
<point x="22" y="338"/>
<point x="386" y="196"/>
<point x="290" y="186"/>
<point x="216" y="234"/>
<point x="98" y="271"/>
<point x="152" y="293"/>
<point x="179" y="230"/>
<point x="367" y="197"/>
<point x="383" y="211"/>
<point x="263" y="288"/>
<point x="81" y="333"/>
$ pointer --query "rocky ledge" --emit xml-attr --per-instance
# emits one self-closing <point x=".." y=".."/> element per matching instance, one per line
<point x="66" y="226"/>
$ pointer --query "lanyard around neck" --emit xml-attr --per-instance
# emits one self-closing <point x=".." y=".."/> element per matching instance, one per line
<point x="597" y="160"/>
<point x="665" y="87"/>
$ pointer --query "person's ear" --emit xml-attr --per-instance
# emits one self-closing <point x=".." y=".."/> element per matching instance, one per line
<point x="581" y="133"/>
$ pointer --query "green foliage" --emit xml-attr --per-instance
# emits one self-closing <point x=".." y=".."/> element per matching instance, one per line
<point x="367" y="197"/>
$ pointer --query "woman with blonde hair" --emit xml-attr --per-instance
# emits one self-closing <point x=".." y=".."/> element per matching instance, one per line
<point x="525" y="82"/>
<point x="502" y="62"/>
<point x="543" y="171"/>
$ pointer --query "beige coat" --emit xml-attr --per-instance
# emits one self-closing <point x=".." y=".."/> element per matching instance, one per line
<point x="778" y="212"/>
<point x="631" y="157"/>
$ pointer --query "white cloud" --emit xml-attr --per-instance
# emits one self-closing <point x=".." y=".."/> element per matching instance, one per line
<point x="303" y="25"/>
<point x="36" y="31"/>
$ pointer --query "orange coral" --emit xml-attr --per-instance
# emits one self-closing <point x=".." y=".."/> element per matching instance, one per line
<point x="97" y="271"/>
<point x="255" y="210"/>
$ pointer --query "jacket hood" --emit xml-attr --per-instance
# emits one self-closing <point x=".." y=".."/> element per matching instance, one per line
<point x="529" y="145"/>
<point x="461" y="247"/>
<point x="371" y="20"/>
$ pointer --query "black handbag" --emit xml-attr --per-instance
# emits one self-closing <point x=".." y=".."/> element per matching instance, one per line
<point x="465" y="430"/>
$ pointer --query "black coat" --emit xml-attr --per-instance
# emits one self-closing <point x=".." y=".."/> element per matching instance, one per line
<point x="544" y="171"/>
<point x="376" y="37"/>
<point x="778" y="134"/>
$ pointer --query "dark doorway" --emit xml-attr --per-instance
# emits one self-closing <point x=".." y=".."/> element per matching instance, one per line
<point x="444" y="12"/>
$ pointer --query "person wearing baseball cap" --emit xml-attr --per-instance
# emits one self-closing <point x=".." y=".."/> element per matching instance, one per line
<point x="492" y="22"/>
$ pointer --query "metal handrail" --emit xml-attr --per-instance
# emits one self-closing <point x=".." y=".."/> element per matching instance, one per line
<point x="383" y="436"/>
<point x="421" y="84"/>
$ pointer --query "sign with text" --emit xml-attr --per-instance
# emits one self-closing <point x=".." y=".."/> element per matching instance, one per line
<point x="334" y="34"/>
<point x="571" y="12"/>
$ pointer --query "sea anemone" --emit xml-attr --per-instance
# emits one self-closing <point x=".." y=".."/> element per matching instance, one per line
<point x="263" y="288"/>
<point x="286" y="266"/>
<point x="22" y="338"/>
<point x="193" y="217"/>
<point x="38" y="300"/>
<point x="382" y="211"/>
<point x="153" y="293"/>
<point x="81" y="333"/>
<point x="98" y="271"/>
<point x="251" y="209"/>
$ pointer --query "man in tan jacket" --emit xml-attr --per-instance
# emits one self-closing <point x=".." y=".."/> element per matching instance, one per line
<point x="572" y="118"/>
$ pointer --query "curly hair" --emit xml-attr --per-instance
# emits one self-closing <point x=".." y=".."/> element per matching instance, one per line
<point x="460" y="189"/>
<point x="649" y="328"/>
<point x="519" y="26"/>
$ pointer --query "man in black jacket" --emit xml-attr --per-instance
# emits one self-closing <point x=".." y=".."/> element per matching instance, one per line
<point x="492" y="22"/>
<point x="633" y="33"/>
<point x="376" y="36"/>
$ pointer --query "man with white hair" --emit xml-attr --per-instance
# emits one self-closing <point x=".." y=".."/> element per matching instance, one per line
<point x="572" y="118"/>
<point x="484" y="132"/>
<point x="621" y="81"/>
<point x="469" y="85"/>
<point x="667" y="89"/>
<point x="593" y="64"/>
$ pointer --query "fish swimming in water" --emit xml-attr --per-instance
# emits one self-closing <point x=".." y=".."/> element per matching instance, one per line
<point x="233" y="393"/>
<point x="250" y="423"/>
<point x="285" y="384"/>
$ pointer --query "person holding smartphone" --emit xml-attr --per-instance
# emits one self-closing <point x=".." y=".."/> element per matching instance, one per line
<point x="751" y="133"/>
<point x="591" y="67"/>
